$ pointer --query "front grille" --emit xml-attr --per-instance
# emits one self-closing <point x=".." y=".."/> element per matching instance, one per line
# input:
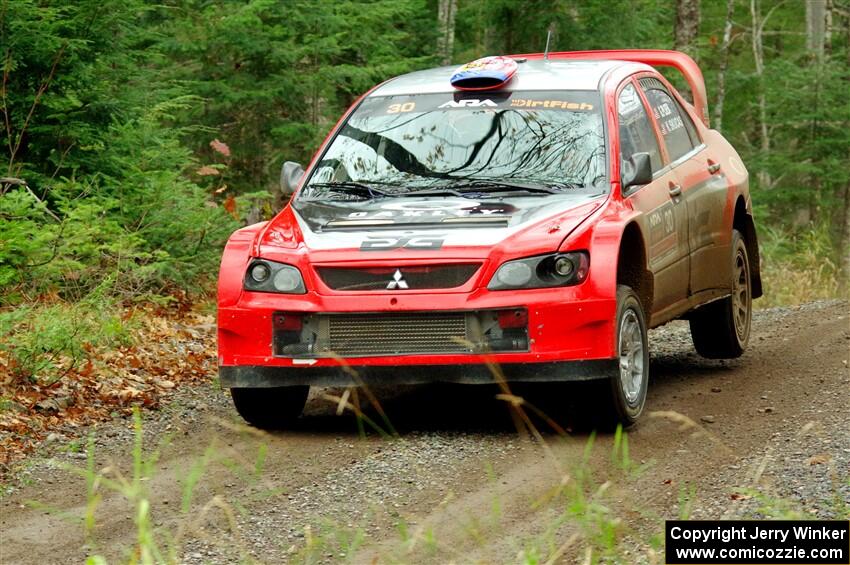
<point x="391" y="334"/>
<point x="399" y="333"/>
<point x="450" y="275"/>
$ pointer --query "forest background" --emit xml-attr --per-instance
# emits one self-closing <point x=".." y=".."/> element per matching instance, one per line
<point x="146" y="132"/>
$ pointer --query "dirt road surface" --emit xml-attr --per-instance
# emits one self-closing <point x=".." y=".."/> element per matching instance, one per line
<point x="459" y="483"/>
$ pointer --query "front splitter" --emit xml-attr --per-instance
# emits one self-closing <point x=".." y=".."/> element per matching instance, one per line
<point x="258" y="376"/>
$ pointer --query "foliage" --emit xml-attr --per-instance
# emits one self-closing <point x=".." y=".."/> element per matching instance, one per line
<point x="52" y="340"/>
<point x="274" y="79"/>
<point x="797" y="267"/>
<point x="91" y="128"/>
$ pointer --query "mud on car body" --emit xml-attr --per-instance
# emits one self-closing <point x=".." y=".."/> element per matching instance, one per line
<point x="536" y="212"/>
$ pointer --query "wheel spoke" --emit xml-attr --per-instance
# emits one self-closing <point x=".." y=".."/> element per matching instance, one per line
<point x="631" y="357"/>
<point x="741" y="296"/>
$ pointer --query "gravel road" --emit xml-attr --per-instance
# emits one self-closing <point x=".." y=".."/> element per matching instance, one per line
<point x="763" y="434"/>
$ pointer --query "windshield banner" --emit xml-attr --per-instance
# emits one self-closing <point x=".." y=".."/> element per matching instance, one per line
<point x="571" y="101"/>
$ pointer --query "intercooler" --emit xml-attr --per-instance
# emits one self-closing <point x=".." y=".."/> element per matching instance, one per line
<point x="391" y="334"/>
<point x="402" y="333"/>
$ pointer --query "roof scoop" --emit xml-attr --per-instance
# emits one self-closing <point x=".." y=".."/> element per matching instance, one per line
<point x="484" y="74"/>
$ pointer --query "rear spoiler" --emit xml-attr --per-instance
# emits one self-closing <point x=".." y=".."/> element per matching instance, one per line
<point x="655" y="57"/>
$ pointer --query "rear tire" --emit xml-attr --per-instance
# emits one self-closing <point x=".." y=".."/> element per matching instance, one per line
<point x="626" y="387"/>
<point x="270" y="408"/>
<point x="721" y="329"/>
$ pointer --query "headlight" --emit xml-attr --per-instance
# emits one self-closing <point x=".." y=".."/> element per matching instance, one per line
<point x="515" y="273"/>
<point x="268" y="276"/>
<point x="260" y="272"/>
<point x="558" y="269"/>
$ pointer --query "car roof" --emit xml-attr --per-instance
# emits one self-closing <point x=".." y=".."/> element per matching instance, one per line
<point x="552" y="74"/>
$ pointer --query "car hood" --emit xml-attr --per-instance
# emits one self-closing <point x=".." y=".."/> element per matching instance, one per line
<point x="428" y="223"/>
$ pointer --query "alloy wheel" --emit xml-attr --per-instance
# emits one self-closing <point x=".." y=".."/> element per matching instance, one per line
<point x="741" y="298"/>
<point x="631" y="357"/>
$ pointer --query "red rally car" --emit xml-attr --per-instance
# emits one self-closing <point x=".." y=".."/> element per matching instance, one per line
<point x="538" y="212"/>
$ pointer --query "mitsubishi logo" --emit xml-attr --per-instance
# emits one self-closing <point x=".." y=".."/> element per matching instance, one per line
<point x="397" y="282"/>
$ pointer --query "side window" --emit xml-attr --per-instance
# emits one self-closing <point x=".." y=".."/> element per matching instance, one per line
<point x="671" y="123"/>
<point x="636" y="133"/>
<point x="689" y="125"/>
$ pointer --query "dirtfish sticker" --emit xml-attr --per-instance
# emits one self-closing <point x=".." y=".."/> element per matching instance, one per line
<point x="555" y="104"/>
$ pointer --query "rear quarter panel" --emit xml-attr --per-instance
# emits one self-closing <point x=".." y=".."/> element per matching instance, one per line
<point x="713" y="212"/>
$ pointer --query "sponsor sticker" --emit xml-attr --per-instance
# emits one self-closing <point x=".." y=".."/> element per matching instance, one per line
<point x="402" y="105"/>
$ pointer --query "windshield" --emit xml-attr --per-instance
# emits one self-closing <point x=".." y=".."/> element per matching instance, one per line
<point x="465" y="143"/>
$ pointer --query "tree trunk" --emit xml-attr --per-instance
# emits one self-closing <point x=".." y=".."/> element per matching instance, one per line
<point x="844" y="240"/>
<point x="815" y="27"/>
<point x="816" y="33"/>
<point x="758" y="57"/>
<point x="827" y="31"/>
<point x="724" y="65"/>
<point x="687" y="26"/>
<point x="446" y="13"/>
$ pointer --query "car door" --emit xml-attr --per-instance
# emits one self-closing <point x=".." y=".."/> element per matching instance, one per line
<point x="664" y="218"/>
<point x="703" y="185"/>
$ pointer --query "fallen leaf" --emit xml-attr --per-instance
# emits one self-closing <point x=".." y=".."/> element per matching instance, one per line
<point x="819" y="459"/>
<point x="128" y="393"/>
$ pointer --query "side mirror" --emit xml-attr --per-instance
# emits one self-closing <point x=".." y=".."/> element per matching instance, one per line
<point x="290" y="176"/>
<point x="636" y="171"/>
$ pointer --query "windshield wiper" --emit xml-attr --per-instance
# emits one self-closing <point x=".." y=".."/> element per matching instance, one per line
<point x="352" y="187"/>
<point x="431" y="192"/>
<point x="486" y="185"/>
<point x="478" y="186"/>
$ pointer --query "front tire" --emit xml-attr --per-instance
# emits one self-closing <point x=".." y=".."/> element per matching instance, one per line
<point x="721" y="329"/>
<point x="270" y="408"/>
<point x="626" y="387"/>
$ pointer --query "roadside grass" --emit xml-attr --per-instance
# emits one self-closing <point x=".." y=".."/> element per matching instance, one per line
<point x="43" y="341"/>
<point x="155" y="542"/>
<point x="67" y="364"/>
<point x="798" y="268"/>
<point x="585" y="526"/>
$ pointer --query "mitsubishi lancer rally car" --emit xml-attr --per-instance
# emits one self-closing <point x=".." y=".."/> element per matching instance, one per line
<point x="535" y="213"/>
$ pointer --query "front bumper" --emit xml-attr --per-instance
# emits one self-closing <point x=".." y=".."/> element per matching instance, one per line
<point x="254" y="376"/>
<point x="564" y="324"/>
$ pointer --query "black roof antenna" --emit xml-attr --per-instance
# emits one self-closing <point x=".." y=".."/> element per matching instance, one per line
<point x="548" y="39"/>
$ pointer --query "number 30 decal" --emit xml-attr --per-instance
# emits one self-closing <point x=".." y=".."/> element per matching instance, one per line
<point x="399" y="108"/>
